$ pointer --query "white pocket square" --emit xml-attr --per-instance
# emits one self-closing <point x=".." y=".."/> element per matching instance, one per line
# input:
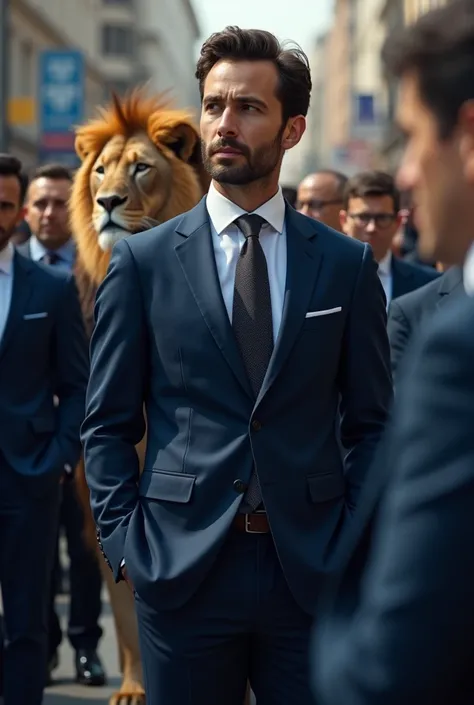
<point x="32" y="316"/>
<point x="326" y="312"/>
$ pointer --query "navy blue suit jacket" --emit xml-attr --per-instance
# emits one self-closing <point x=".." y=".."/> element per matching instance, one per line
<point x="163" y="340"/>
<point x="407" y="276"/>
<point x="407" y="314"/>
<point x="397" y="623"/>
<point x="43" y="353"/>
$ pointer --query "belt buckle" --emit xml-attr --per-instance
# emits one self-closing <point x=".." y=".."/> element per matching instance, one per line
<point x="247" y="525"/>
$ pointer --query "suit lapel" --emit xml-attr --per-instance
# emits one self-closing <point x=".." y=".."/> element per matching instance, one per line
<point x="304" y="259"/>
<point x="196" y="256"/>
<point x="21" y="292"/>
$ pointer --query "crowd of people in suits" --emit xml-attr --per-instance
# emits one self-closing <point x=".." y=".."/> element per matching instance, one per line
<point x="304" y="377"/>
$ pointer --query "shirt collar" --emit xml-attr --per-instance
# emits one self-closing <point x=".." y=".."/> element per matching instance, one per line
<point x="385" y="264"/>
<point x="38" y="250"/>
<point x="468" y="272"/>
<point x="223" y="212"/>
<point x="6" y="258"/>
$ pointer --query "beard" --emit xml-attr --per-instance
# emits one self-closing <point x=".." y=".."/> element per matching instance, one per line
<point x="258" y="164"/>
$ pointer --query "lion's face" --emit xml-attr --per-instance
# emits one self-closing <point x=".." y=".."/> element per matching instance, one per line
<point x="130" y="182"/>
<point x="140" y="166"/>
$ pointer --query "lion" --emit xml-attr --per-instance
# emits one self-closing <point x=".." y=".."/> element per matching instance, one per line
<point x="140" y="166"/>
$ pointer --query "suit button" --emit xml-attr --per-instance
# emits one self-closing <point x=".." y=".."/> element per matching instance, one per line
<point x="239" y="486"/>
<point x="256" y="425"/>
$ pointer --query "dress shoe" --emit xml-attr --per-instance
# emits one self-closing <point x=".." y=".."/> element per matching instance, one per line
<point x="89" y="669"/>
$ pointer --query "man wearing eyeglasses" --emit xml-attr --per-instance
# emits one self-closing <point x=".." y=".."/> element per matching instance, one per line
<point x="371" y="213"/>
<point x="320" y="196"/>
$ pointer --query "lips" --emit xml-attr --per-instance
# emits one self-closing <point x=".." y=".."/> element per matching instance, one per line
<point x="227" y="151"/>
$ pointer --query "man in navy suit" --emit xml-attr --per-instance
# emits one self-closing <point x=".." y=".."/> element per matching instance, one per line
<point x="371" y="213"/>
<point x="398" y="624"/>
<point x="43" y="354"/>
<point x="238" y="326"/>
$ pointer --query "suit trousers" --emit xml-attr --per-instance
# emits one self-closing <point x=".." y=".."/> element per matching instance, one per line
<point x="241" y="624"/>
<point x="85" y="579"/>
<point x="28" y="526"/>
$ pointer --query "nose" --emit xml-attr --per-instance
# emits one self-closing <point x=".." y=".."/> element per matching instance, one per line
<point x="109" y="203"/>
<point x="371" y="227"/>
<point x="227" y="127"/>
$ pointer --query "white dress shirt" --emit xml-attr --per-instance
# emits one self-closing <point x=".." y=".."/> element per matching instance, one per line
<point x="468" y="272"/>
<point x="6" y="284"/>
<point x="386" y="276"/>
<point x="228" y="240"/>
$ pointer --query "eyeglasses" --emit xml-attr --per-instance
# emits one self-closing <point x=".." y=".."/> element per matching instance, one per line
<point x="381" y="220"/>
<point x="316" y="204"/>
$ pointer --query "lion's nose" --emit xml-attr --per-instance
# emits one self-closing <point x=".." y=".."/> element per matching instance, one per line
<point x="109" y="203"/>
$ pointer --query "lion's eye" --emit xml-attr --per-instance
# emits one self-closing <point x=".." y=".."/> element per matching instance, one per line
<point x="140" y="167"/>
<point x="100" y="169"/>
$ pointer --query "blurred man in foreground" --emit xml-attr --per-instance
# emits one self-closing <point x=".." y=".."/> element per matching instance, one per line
<point x="398" y="625"/>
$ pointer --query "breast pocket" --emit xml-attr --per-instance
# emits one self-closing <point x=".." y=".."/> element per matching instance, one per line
<point x="323" y="319"/>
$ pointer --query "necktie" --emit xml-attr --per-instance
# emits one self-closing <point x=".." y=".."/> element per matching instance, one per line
<point x="50" y="258"/>
<point x="252" y="318"/>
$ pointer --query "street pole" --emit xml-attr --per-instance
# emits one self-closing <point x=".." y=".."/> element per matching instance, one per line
<point x="4" y="72"/>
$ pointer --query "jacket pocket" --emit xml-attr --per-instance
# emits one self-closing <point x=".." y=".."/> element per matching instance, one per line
<point x="167" y="486"/>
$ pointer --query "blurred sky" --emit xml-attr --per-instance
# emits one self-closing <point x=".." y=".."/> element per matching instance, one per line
<point x="299" y="20"/>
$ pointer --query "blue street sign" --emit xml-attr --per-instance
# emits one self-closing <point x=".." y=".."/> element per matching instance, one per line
<point x="61" y="90"/>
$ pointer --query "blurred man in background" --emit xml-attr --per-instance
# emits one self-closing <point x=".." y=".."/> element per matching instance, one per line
<point x="371" y="213"/>
<point x="320" y="196"/>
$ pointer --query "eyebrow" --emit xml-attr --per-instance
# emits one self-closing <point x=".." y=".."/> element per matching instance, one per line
<point x="239" y="99"/>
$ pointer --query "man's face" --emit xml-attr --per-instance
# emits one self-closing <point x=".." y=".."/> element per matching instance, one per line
<point x="372" y="219"/>
<point x="319" y="198"/>
<point x="11" y="210"/>
<point x="439" y="173"/>
<point x="47" y="211"/>
<point x="243" y="138"/>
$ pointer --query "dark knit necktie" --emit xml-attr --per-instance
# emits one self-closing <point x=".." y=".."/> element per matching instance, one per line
<point x="252" y="317"/>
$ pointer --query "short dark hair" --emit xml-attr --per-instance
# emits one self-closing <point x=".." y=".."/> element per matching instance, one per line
<point x="57" y="172"/>
<point x="439" y="49"/>
<point x="294" y="86"/>
<point x="371" y="183"/>
<point x="11" y="166"/>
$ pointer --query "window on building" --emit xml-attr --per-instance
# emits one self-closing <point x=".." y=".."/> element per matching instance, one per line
<point x="117" y="40"/>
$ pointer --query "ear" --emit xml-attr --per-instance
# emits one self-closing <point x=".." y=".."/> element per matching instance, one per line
<point x="80" y="145"/>
<point x="180" y="139"/>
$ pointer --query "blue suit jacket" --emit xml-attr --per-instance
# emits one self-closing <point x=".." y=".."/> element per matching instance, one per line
<point x="397" y="622"/>
<point x="163" y="339"/>
<point x="407" y="276"/>
<point x="407" y="314"/>
<point x="41" y="356"/>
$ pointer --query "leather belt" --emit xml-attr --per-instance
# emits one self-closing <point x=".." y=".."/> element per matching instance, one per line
<point x="256" y="523"/>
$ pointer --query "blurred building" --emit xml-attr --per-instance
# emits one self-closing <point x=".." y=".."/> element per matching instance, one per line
<point x="63" y="58"/>
<point x="317" y="153"/>
<point x="347" y="116"/>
